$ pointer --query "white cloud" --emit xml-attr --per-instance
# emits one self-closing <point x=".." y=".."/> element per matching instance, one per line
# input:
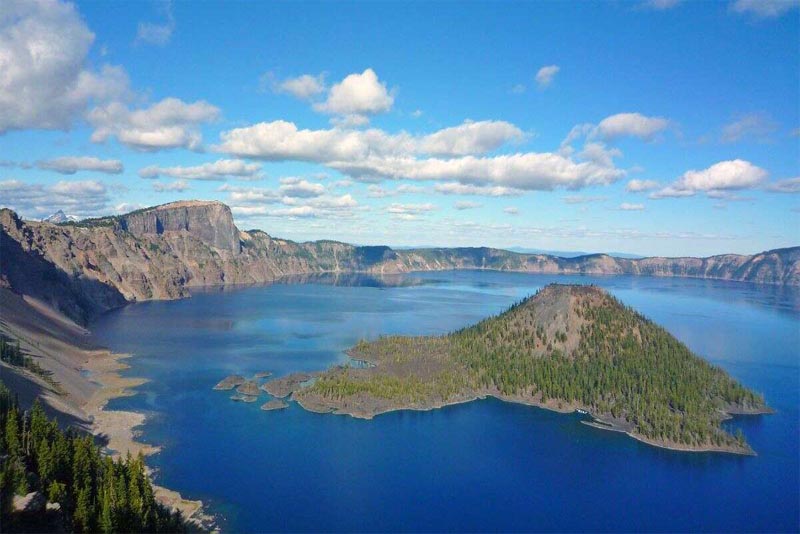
<point x="304" y="87"/>
<point x="734" y="174"/>
<point x="342" y="202"/>
<point x="299" y="197"/>
<point x="412" y="209"/>
<point x="581" y="199"/>
<point x="723" y="176"/>
<point x="529" y="171"/>
<point x="630" y="125"/>
<point x="282" y="140"/>
<point x="82" y="198"/>
<point x="250" y="195"/>
<point x="221" y="169"/>
<point x="600" y="154"/>
<point x="45" y="81"/>
<point x="357" y="94"/>
<point x="291" y="213"/>
<point x="73" y="164"/>
<point x="466" y="205"/>
<point x="638" y="186"/>
<point x="170" y="123"/>
<point x="176" y="186"/>
<point x="726" y="195"/>
<point x="752" y="126"/>
<point x="298" y="187"/>
<point x="374" y="155"/>
<point x="765" y="9"/>
<point x="154" y="33"/>
<point x="127" y="207"/>
<point x="545" y="75"/>
<point x="625" y="206"/>
<point x="511" y="210"/>
<point x="470" y="138"/>
<point x="608" y="130"/>
<point x="518" y="89"/>
<point x="672" y="192"/>
<point x="376" y="191"/>
<point x="789" y="185"/>
<point x="456" y="188"/>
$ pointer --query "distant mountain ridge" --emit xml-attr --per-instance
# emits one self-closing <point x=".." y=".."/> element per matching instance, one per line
<point x="572" y="253"/>
<point x="88" y="267"/>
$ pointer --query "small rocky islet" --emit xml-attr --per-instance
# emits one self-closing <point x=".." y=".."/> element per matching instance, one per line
<point x="274" y="404"/>
<point x="249" y="387"/>
<point x="230" y="382"/>
<point x="249" y="391"/>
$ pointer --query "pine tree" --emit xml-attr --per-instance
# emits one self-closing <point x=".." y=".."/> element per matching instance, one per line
<point x="12" y="438"/>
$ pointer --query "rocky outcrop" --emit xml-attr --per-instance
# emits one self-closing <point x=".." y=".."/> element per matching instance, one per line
<point x="210" y="223"/>
<point x="230" y="382"/>
<point x="86" y="268"/>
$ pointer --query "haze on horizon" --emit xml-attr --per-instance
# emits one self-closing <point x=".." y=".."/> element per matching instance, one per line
<point x="657" y="128"/>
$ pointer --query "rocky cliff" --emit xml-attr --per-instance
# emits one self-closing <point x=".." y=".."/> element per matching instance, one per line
<point x="209" y="222"/>
<point x="779" y="267"/>
<point x="94" y="265"/>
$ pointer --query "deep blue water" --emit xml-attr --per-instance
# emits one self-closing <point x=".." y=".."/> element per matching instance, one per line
<point x="485" y="465"/>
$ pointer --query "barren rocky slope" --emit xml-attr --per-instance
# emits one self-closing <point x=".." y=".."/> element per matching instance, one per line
<point x="85" y="268"/>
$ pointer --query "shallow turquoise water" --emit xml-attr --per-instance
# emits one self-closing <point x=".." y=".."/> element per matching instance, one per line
<point x="485" y="465"/>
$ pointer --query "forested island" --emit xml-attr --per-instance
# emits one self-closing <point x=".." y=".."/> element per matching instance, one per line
<point x="566" y="348"/>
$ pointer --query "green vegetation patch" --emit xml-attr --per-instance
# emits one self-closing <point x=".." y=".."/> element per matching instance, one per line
<point x="86" y="491"/>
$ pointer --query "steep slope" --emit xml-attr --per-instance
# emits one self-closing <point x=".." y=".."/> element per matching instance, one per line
<point x="209" y="222"/>
<point x="86" y="268"/>
<point x="780" y="267"/>
<point x="94" y="265"/>
<point x="566" y="348"/>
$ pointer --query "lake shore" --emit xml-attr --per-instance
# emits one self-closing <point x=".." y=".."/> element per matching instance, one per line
<point x="317" y="404"/>
<point x="118" y="428"/>
<point x="87" y="378"/>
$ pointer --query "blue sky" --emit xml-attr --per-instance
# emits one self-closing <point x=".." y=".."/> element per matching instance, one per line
<point x="663" y="128"/>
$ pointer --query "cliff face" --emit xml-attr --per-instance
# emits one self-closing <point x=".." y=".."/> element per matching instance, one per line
<point x="86" y="268"/>
<point x="209" y="222"/>
<point x="780" y="267"/>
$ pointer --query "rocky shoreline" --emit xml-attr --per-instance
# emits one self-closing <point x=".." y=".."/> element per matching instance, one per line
<point x="316" y="404"/>
<point x="119" y="428"/>
<point x="88" y="377"/>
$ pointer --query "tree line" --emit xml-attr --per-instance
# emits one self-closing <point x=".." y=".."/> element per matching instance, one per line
<point x="86" y="491"/>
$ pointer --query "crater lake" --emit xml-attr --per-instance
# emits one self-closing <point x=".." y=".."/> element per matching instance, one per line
<point x="481" y="466"/>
